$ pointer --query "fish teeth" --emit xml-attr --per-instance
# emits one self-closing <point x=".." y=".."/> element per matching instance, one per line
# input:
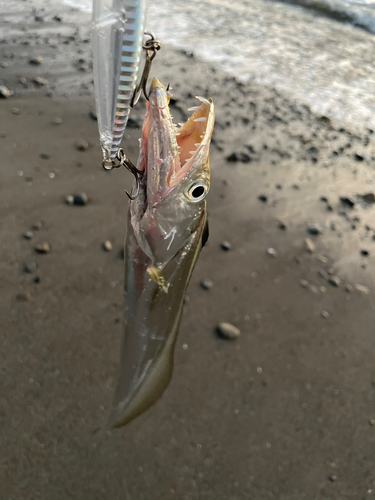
<point x="203" y="99"/>
<point x="193" y="108"/>
<point x="201" y="119"/>
<point x="181" y="124"/>
<point x="192" y="152"/>
<point x="197" y="144"/>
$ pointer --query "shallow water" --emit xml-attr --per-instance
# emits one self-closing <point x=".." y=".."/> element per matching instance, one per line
<point x="305" y="52"/>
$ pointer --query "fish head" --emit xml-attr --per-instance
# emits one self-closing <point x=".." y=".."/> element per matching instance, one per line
<point x="175" y="180"/>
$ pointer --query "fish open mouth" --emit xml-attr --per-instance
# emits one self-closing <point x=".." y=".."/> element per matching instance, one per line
<point x="169" y="148"/>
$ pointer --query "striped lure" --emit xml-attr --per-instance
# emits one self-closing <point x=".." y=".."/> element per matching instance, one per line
<point x="117" y="36"/>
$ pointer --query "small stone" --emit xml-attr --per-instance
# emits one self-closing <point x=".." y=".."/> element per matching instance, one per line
<point x="23" y="296"/>
<point x="36" y="61"/>
<point x="4" y="92"/>
<point x="107" y="246"/>
<point x="365" y="253"/>
<point x="57" y="18"/>
<point x="82" y="145"/>
<point x="23" y="80"/>
<point x="263" y="198"/>
<point x="314" y="229"/>
<point x="80" y="199"/>
<point x="271" y="252"/>
<point x="40" y="81"/>
<point x="45" y="156"/>
<point x="323" y="289"/>
<point x="281" y="225"/>
<point x="228" y="331"/>
<point x="349" y="288"/>
<point x="226" y="246"/>
<point x="36" y="280"/>
<point x="16" y="111"/>
<point x="304" y="283"/>
<point x="358" y="157"/>
<point x="368" y="197"/>
<point x="28" y="235"/>
<point x="206" y="284"/>
<point x="324" y="199"/>
<point x="332" y="478"/>
<point x="36" y="226"/>
<point x="372" y="421"/>
<point x="69" y="200"/>
<point x="314" y="289"/>
<point x="325" y="314"/>
<point x="57" y="121"/>
<point x="322" y="259"/>
<point x="42" y="248"/>
<point x="93" y="115"/>
<point x="309" y="245"/>
<point x="334" y="281"/>
<point x="239" y="157"/>
<point x="362" y="288"/>
<point x="278" y="186"/>
<point x="30" y="267"/>
<point x="348" y="202"/>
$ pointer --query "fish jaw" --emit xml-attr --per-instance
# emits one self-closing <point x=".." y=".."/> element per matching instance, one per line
<point x="172" y="160"/>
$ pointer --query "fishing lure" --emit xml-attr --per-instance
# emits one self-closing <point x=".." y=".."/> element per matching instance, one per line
<point x="117" y="41"/>
<point x="167" y="227"/>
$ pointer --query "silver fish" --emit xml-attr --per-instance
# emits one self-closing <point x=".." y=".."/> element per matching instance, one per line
<point x="117" y="36"/>
<point x="167" y="227"/>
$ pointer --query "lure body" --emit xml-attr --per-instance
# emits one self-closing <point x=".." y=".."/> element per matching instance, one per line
<point x="167" y="227"/>
<point x="117" y="36"/>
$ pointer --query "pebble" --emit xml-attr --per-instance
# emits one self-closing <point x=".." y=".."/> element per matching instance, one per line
<point x="349" y="288"/>
<point x="206" y="284"/>
<point x="28" y="235"/>
<point x="334" y="281"/>
<point x="93" y="115"/>
<point x="281" y="225"/>
<point x="40" y="81"/>
<point x="304" y="283"/>
<point x="107" y="246"/>
<point x="347" y="201"/>
<point x="36" y="61"/>
<point x="362" y="288"/>
<point x="332" y="478"/>
<point x="226" y="246"/>
<point x="23" y="80"/>
<point x="314" y="229"/>
<point x="325" y="314"/>
<point x="69" y="200"/>
<point x="365" y="253"/>
<point x="45" y="156"/>
<point x="36" y="280"/>
<point x="4" y="92"/>
<point x="36" y="226"/>
<point x="57" y="121"/>
<point x="42" y="248"/>
<point x="322" y="259"/>
<point x="23" y="296"/>
<point x="309" y="245"/>
<point x="324" y="199"/>
<point x="30" y="267"/>
<point x="271" y="252"/>
<point x="241" y="157"/>
<point x="368" y="197"/>
<point x="228" y="331"/>
<point x="372" y="421"/>
<point x="80" y="199"/>
<point x="82" y="145"/>
<point x="263" y="198"/>
<point x="16" y="111"/>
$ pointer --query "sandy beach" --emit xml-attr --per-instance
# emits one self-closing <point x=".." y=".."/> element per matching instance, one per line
<point x="286" y="411"/>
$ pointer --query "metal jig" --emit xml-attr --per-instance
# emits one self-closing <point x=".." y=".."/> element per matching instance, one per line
<point x="151" y="46"/>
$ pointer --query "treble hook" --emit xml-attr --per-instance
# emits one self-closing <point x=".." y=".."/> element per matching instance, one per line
<point x="151" y="47"/>
<point x="119" y="160"/>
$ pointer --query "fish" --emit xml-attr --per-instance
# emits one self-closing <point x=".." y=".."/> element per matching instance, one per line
<point x="166" y="230"/>
<point x="117" y="40"/>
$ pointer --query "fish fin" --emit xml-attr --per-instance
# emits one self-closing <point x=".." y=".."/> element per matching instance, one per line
<point x="205" y="233"/>
<point x="157" y="276"/>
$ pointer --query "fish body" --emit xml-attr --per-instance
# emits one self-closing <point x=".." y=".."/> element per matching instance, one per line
<point x="117" y="36"/>
<point x="167" y="227"/>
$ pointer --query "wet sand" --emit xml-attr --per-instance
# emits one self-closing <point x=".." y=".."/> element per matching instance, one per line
<point x="287" y="410"/>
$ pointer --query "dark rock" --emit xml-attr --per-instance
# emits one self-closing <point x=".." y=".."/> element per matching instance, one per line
<point x="45" y="156"/>
<point x="358" y="157"/>
<point x="348" y="202"/>
<point x="23" y="296"/>
<point x="80" y="199"/>
<point x="324" y="199"/>
<point x="281" y="225"/>
<point x="226" y="245"/>
<point x="368" y="197"/>
<point x="228" y="331"/>
<point x="278" y="186"/>
<point x="206" y="284"/>
<point x="263" y="198"/>
<point x="57" y="19"/>
<point x="314" y="229"/>
<point x="365" y="253"/>
<point x="30" y="267"/>
<point x="43" y="248"/>
<point x="334" y="281"/>
<point x="239" y="157"/>
<point x="36" y="280"/>
<point x="93" y="115"/>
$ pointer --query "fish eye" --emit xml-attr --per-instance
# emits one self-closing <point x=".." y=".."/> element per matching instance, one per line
<point x="197" y="191"/>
